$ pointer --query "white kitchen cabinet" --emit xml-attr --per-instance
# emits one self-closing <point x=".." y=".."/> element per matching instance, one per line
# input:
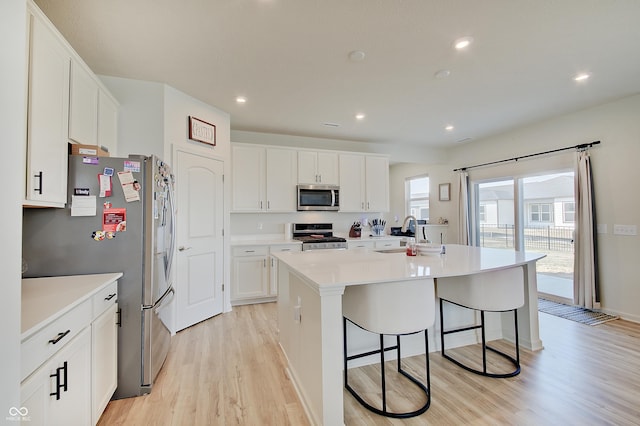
<point x="351" y="244"/>
<point x="387" y="244"/>
<point x="48" y="110"/>
<point x="93" y="112"/>
<point x="377" y="243"/>
<point x="281" y="168"/>
<point x="69" y="348"/>
<point x="318" y="167"/>
<point x="59" y="392"/>
<point x="377" y="183"/>
<point x="83" y="106"/>
<point x="364" y="183"/>
<point x="352" y="183"/>
<point x="107" y="122"/>
<point x="254" y="272"/>
<point x="247" y="172"/>
<point x="104" y="349"/>
<point x="263" y="179"/>
<point x="273" y="264"/>
<point x="249" y="273"/>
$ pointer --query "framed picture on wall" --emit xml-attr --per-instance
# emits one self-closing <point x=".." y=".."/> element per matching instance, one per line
<point x="444" y="192"/>
<point x="202" y="131"/>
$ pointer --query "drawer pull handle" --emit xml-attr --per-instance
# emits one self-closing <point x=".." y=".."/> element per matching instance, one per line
<point x="59" y="384"/>
<point x="59" y="337"/>
<point x="249" y="251"/>
<point x="111" y="296"/>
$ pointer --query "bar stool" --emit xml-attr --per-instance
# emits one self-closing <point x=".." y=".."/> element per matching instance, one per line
<point x="496" y="291"/>
<point x="399" y="308"/>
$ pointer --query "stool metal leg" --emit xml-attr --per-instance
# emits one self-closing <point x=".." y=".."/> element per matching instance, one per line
<point x="514" y="361"/>
<point x="384" y="412"/>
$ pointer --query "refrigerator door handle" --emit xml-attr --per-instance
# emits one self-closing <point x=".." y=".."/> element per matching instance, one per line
<point x="170" y="290"/>
<point x="172" y="247"/>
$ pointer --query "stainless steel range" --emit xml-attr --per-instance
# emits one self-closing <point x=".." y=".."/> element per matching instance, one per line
<point x="317" y="236"/>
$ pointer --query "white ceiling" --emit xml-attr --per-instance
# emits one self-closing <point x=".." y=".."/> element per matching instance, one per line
<point x="290" y="59"/>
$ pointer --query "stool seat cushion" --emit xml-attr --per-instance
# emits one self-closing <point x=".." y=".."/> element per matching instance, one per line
<point x="500" y="290"/>
<point x="391" y="308"/>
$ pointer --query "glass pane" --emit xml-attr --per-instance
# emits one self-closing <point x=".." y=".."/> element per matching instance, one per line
<point x="419" y="188"/>
<point x="550" y="230"/>
<point x="496" y="214"/>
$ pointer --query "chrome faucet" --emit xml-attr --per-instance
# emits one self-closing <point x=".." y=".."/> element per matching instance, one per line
<point x="406" y="220"/>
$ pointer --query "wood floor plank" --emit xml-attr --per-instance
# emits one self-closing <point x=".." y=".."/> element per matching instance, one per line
<point x="229" y="370"/>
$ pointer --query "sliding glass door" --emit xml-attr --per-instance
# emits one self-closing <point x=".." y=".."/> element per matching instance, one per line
<point x="548" y="216"/>
<point x="533" y="213"/>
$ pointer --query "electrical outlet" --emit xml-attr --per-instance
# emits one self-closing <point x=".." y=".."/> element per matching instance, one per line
<point x="625" y="230"/>
<point x="602" y="228"/>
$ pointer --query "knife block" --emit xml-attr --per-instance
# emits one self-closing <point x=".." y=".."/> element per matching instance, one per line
<point x="355" y="232"/>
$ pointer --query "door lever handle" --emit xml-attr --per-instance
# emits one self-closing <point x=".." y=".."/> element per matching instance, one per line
<point x="183" y="248"/>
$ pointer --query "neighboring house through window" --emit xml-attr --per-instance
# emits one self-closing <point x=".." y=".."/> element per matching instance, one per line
<point x="417" y="196"/>
<point x="540" y="213"/>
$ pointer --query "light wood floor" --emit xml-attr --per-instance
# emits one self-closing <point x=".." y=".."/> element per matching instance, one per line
<point x="229" y="371"/>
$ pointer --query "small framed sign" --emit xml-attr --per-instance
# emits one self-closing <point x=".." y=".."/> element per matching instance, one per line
<point x="445" y="189"/>
<point x="202" y="131"/>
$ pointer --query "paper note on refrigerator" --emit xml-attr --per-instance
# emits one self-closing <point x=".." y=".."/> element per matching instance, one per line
<point x="130" y="186"/>
<point x="83" y="205"/>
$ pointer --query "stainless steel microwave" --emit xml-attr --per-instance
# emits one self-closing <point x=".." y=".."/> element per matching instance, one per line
<point x="318" y="197"/>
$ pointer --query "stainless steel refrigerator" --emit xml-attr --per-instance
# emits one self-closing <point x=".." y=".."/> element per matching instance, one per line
<point x="119" y="218"/>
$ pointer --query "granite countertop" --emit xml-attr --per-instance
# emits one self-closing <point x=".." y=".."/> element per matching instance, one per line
<point x="45" y="299"/>
<point x="335" y="268"/>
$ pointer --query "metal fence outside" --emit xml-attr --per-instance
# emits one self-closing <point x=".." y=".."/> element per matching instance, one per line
<point x="548" y="238"/>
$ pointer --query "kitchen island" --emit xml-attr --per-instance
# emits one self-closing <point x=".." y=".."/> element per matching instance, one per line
<point x="311" y="285"/>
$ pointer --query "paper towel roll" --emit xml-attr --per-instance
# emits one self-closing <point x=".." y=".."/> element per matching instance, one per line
<point x="287" y="231"/>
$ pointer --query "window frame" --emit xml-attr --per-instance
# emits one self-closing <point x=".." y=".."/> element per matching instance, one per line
<point x="408" y="200"/>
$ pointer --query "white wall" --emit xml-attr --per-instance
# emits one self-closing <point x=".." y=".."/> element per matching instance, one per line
<point x="153" y="119"/>
<point x="140" y="117"/>
<point x="13" y="86"/>
<point x="615" y="173"/>
<point x="405" y="154"/>
<point x="438" y="173"/>
<point x="177" y="108"/>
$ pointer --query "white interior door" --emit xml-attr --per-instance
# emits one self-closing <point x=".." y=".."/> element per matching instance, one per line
<point x="199" y="268"/>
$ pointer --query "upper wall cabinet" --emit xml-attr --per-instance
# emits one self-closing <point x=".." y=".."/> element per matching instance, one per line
<point x="47" y="121"/>
<point x="83" y="106"/>
<point x="66" y="102"/>
<point x="364" y="183"/>
<point x="93" y="114"/>
<point x="263" y="179"/>
<point x="318" y="167"/>
<point x="107" y="122"/>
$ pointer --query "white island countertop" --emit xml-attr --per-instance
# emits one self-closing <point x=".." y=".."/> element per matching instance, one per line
<point x="337" y="268"/>
<point x="44" y="299"/>
<point x="311" y="286"/>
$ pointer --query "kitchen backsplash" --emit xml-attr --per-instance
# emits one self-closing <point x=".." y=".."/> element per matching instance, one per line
<point x="273" y="223"/>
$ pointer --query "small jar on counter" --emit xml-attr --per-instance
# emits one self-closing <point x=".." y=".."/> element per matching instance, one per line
<point x="411" y="247"/>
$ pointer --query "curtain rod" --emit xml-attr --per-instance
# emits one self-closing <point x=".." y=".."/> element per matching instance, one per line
<point x="581" y="146"/>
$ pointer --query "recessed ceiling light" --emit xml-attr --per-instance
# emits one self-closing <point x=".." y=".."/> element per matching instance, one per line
<point x="356" y="55"/>
<point x="463" y="42"/>
<point x="440" y="74"/>
<point x="449" y="128"/>
<point x="241" y="99"/>
<point x="360" y="116"/>
<point x="582" y="76"/>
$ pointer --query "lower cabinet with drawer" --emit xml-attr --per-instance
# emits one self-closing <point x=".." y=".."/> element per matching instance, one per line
<point x="69" y="366"/>
<point x="252" y="273"/>
<point x="59" y="392"/>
